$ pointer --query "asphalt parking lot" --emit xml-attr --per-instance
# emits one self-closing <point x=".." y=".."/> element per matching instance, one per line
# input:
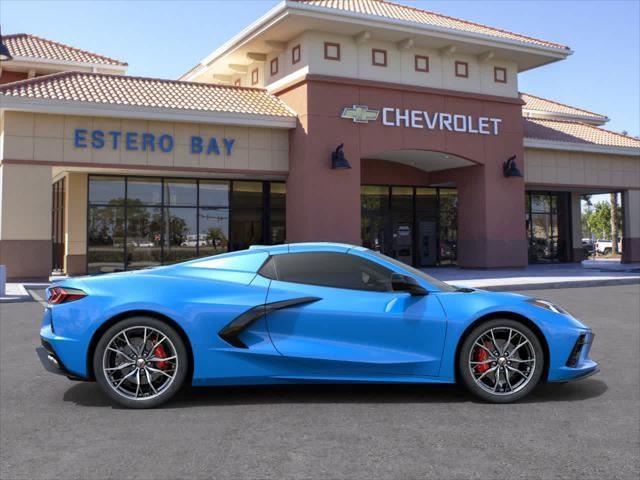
<point x="54" y="428"/>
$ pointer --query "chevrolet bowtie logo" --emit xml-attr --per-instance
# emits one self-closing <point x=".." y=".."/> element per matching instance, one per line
<point x="360" y="114"/>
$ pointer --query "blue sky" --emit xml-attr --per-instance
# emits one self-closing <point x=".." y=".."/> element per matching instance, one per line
<point x="166" y="38"/>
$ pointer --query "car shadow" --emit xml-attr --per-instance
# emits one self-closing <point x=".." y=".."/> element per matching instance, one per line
<point x="89" y="394"/>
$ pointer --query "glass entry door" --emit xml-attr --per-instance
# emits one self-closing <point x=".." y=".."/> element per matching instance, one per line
<point x="548" y="228"/>
<point x="57" y="226"/>
<point x="416" y="225"/>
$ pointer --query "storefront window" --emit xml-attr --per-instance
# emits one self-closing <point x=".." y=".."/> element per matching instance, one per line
<point x="137" y="222"/>
<point x="277" y="201"/>
<point x="427" y="226"/>
<point x="105" y="252"/>
<point x="214" y="231"/>
<point x="416" y="225"/>
<point x="106" y="190"/>
<point x="214" y="193"/>
<point x="144" y="236"/>
<point x="448" y="229"/>
<point x="547" y="218"/>
<point x="181" y="193"/>
<point x="247" y="214"/>
<point x="144" y="191"/>
<point x="375" y="216"/>
<point x="180" y="234"/>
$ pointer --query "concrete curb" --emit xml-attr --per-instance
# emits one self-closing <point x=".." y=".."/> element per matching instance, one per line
<point x="551" y="285"/>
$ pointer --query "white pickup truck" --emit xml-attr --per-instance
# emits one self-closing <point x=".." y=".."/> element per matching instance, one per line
<point x="605" y="247"/>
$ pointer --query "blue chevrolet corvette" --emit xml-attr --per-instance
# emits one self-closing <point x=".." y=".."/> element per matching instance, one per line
<point x="309" y="312"/>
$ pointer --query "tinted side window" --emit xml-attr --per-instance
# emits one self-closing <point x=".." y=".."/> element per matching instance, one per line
<point x="331" y="269"/>
<point x="268" y="270"/>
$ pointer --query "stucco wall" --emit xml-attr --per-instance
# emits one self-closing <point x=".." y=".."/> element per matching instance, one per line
<point x="356" y="62"/>
<point x="50" y="138"/>
<point x="554" y="167"/>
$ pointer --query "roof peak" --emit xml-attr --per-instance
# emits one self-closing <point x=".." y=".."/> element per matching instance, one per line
<point x="594" y="114"/>
<point x="448" y="17"/>
<point x="107" y="60"/>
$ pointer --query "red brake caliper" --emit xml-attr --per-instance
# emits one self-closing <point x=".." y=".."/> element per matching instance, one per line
<point x="160" y="353"/>
<point x="480" y="356"/>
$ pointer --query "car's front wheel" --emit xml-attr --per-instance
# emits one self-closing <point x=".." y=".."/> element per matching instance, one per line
<point x="140" y="362"/>
<point x="501" y="361"/>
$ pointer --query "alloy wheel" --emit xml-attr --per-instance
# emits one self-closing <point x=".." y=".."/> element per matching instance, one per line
<point x="140" y="362"/>
<point x="502" y="361"/>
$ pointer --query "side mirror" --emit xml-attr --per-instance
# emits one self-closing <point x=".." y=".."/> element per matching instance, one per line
<point x="406" y="283"/>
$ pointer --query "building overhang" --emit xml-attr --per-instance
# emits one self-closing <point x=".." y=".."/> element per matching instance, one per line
<point x="580" y="147"/>
<point x="593" y="120"/>
<point x="68" y="107"/>
<point x="46" y="65"/>
<point x="289" y="19"/>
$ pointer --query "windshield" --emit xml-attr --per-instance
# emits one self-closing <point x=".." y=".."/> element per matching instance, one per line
<point x="445" y="287"/>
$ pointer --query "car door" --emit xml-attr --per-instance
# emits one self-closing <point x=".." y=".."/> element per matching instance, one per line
<point x="348" y="321"/>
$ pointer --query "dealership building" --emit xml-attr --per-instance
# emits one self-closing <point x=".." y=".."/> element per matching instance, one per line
<point x="366" y="122"/>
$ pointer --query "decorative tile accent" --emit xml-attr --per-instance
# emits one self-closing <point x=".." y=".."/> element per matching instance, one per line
<point x="331" y="51"/>
<point x="462" y="69"/>
<point x="421" y="63"/>
<point x="295" y="54"/>
<point x="500" y="74"/>
<point x="378" y="57"/>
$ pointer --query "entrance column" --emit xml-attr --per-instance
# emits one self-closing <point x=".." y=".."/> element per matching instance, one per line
<point x="577" y="252"/>
<point x="25" y="220"/>
<point x="631" y="239"/>
<point x="322" y="204"/>
<point x="491" y="218"/>
<point x="75" y="212"/>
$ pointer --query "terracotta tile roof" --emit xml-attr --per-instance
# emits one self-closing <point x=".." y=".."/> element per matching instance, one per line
<point x="148" y="92"/>
<point x="545" y="105"/>
<point x="575" y="132"/>
<point x="27" y="45"/>
<point x="395" y="11"/>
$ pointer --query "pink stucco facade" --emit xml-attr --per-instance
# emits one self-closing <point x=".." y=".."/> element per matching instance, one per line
<point x="324" y="204"/>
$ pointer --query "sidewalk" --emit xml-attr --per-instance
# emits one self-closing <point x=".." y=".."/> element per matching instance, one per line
<point x="540" y="276"/>
<point x="532" y="277"/>
<point x="19" y="292"/>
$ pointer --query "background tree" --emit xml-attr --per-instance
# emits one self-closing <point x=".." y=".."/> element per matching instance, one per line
<point x="614" y="222"/>
<point x="598" y="220"/>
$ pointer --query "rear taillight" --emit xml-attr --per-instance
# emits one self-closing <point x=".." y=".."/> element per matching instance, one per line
<point x="58" y="295"/>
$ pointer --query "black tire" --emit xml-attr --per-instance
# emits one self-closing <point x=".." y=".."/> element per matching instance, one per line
<point x="180" y="371"/>
<point x="607" y="251"/>
<point x="467" y="349"/>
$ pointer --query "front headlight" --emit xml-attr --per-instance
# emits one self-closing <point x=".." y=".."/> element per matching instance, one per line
<point x="547" y="305"/>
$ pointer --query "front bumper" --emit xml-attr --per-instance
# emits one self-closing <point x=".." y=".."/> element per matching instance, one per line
<point x="577" y="365"/>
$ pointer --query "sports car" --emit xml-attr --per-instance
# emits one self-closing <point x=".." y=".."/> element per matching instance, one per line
<point x="300" y="313"/>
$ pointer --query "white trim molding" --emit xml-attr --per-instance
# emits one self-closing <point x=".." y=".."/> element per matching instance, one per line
<point x="537" y="114"/>
<point x="581" y="147"/>
<point x="92" y="109"/>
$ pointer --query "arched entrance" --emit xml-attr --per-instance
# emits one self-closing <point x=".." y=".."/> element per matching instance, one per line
<point x="403" y="213"/>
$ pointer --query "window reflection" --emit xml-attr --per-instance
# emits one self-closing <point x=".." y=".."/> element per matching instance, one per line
<point x="106" y="190"/>
<point x="180" y="234"/>
<point x="144" y="191"/>
<point x="214" y="231"/>
<point x="144" y="235"/>
<point x="138" y="222"/>
<point x="180" y="193"/>
<point x="105" y="242"/>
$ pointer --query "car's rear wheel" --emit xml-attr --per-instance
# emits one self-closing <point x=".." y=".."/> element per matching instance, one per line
<point x="140" y="362"/>
<point x="501" y="361"/>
